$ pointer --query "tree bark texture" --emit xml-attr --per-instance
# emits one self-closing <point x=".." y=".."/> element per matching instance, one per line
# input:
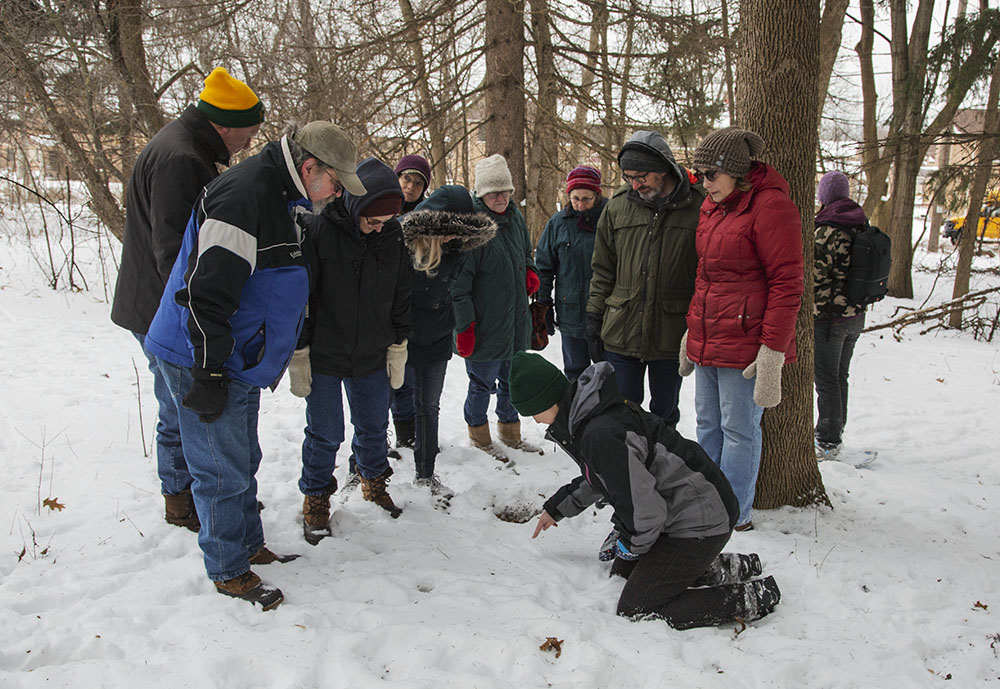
<point x="544" y="173"/>
<point x="831" y="29"/>
<point x="987" y="154"/>
<point x="124" y="33"/>
<point x="505" y="87"/>
<point x="776" y="97"/>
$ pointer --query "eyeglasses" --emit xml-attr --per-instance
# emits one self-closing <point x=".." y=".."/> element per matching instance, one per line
<point x="338" y="188"/>
<point x="641" y="179"/>
<point x="497" y="195"/>
<point x="710" y="175"/>
<point x="375" y="222"/>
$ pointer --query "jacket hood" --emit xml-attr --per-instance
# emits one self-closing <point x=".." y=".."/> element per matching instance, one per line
<point x="470" y="229"/>
<point x="380" y="181"/>
<point x="761" y="178"/>
<point x="841" y="213"/>
<point x="194" y="120"/>
<point x="595" y="390"/>
<point x="654" y="143"/>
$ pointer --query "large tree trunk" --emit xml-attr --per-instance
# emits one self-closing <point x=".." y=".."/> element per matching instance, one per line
<point x="124" y="33"/>
<point x="874" y="164"/>
<point x="987" y="154"/>
<point x="776" y="97"/>
<point x="505" y="86"/>
<point x="429" y="113"/>
<point x="543" y="170"/>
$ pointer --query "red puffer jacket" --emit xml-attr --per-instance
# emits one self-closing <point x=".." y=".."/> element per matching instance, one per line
<point x="749" y="282"/>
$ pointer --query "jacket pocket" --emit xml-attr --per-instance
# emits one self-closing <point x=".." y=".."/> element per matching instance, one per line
<point x="253" y="350"/>
<point x="622" y="318"/>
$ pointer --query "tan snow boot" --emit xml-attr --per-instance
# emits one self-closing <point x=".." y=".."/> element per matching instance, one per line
<point x="480" y="436"/>
<point x="510" y="435"/>
<point x="179" y="510"/>
<point x="316" y="514"/>
<point x="374" y="490"/>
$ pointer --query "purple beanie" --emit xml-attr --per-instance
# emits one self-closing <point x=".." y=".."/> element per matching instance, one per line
<point x="833" y="186"/>
<point x="415" y="163"/>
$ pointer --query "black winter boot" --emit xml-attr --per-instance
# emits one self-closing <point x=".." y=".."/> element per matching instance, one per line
<point x="405" y="433"/>
<point x="730" y="568"/>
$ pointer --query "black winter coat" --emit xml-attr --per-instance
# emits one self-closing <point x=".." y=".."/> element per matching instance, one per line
<point x="433" y="316"/>
<point x="359" y="297"/>
<point x="658" y="482"/>
<point x="167" y="177"/>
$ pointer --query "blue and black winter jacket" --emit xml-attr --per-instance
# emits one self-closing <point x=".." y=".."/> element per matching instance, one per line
<point x="237" y="294"/>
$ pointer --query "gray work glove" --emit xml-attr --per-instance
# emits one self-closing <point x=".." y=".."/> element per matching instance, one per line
<point x="300" y="373"/>
<point x="395" y="364"/>
<point x="767" y="368"/>
<point x="684" y="365"/>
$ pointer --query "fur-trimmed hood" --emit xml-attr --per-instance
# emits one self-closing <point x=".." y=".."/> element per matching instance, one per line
<point x="449" y="212"/>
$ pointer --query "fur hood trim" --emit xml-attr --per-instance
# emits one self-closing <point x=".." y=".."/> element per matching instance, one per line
<point x="472" y="230"/>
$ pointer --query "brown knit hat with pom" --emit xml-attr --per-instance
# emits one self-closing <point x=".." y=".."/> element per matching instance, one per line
<point x="728" y="150"/>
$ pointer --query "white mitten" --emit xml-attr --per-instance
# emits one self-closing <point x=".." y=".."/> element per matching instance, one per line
<point x="767" y="368"/>
<point x="685" y="366"/>
<point x="300" y="373"/>
<point x="395" y="364"/>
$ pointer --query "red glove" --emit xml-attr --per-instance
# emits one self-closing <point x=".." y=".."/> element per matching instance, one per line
<point x="531" y="281"/>
<point x="465" y="341"/>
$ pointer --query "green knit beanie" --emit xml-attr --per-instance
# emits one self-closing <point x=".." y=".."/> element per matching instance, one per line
<point x="535" y="384"/>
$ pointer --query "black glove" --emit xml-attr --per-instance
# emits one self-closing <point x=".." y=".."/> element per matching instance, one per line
<point x="550" y="319"/>
<point x="594" y="343"/>
<point x="208" y="394"/>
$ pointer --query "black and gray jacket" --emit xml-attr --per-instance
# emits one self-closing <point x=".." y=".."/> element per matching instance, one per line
<point x="658" y="482"/>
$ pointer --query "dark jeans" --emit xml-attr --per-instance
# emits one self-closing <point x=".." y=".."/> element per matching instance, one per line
<point x="833" y="348"/>
<point x="659" y="584"/>
<point x="664" y="384"/>
<point x="402" y="398"/>
<point x="428" y="382"/>
<point x="486" y="378"/>
<point x="576" y="356"/>
<point x="368" y="398"/>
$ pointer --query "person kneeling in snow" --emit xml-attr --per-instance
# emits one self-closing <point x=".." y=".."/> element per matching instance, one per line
<point x="674" y="509"/>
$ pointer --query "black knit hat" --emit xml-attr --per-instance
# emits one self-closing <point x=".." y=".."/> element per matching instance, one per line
<point x="535" y="384"/>
<point x="728" y="150"/>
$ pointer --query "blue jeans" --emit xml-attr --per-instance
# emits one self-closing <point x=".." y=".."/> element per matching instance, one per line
<point x="368" y="398"/>
<point x="223" y="457"/>
<point x="428" y="382"/>
<point x="664" y="384"/>
<point x="402" y="398"/>
<point x="834" y="346"/>
<point x="576" y="356"/>
<point x="729" y="429"/>
<point x="486" y="378"/>
<point x="171" y="466"/>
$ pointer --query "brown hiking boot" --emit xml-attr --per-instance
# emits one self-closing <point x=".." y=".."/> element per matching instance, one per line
<point x="179" y="510"/>
<point x="374" y="491"/>
<point x="480" y="436"/>
<point x="316" y="514"/>
<point x="250" y="588"/>
<point x="510" y="435"/>
<point x="266" y="556"/>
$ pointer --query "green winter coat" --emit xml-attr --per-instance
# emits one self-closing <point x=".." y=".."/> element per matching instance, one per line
<point x="644" y="268"/>
<point x="490" y="289"/>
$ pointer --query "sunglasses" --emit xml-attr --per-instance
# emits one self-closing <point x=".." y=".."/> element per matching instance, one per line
<point x="710" y="175"/>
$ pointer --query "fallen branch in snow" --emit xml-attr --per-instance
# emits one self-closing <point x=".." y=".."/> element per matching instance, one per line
<point x="982" y="328"/>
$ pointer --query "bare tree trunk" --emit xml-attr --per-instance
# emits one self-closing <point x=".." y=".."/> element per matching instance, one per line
<point x="543" y="169"/>
<point x="727" y="55"/>
<point x="429" y="114"/>
<point x="776" y="96"/>
<point x="934" y="238"/>
<point x="875" y="166"/>
<point x="830" y="31"/>
<point x="598" y="24"/>
<point x="987" y="154"/>
<point x="124" y="34"/>
<point x="505" y="86"/>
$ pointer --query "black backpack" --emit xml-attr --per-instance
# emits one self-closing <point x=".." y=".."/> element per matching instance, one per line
<point x="868" y="275"/>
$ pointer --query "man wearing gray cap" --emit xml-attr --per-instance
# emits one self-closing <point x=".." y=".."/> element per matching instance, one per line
<point x="644" y="265"/>
<point x="227" y="325"/>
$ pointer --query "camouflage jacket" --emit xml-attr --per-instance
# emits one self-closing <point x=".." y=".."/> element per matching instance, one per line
<point x="832" y="259"/>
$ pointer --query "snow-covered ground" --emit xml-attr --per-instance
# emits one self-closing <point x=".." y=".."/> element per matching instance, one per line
<point x="897" y="586"/>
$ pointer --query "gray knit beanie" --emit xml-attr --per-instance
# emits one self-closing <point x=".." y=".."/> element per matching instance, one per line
<point x="728" y="150"/>
<point x="492" y="174"/>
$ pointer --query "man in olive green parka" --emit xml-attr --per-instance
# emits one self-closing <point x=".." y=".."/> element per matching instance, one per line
<point x="644" y="267"/>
